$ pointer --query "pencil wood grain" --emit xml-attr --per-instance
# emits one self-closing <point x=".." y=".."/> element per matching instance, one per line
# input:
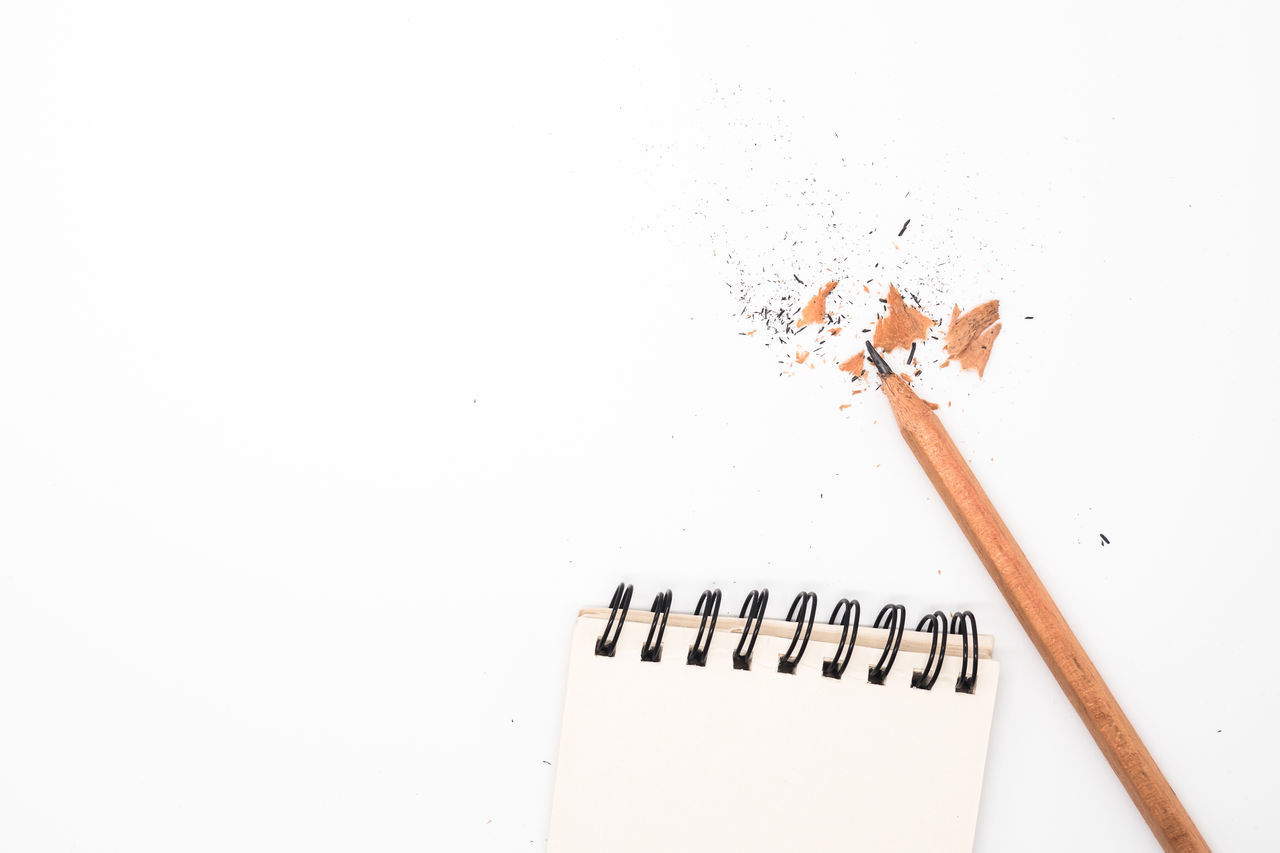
<point x="1042" y="620"/>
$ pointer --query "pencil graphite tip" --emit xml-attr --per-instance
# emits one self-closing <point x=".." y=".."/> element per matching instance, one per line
<point x="878" y="360"/>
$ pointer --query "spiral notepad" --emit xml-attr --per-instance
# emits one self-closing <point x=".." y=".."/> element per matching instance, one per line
<point x="703" y="732"/>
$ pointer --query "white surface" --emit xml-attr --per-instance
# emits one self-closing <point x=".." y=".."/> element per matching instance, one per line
<point x="659" y="754"/>
<point x="346" y="351"/>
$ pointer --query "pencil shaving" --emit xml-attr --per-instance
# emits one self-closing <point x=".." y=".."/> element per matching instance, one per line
<point x="971" y="335"/>
<point x="903" y="325"/>
<point x="816" y="309"/>
<point x="854" y="365"/>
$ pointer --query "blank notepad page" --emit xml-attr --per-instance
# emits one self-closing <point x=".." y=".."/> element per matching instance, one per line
<point x="668" y="756"/>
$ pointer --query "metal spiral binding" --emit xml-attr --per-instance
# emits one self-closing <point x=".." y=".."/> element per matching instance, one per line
<point x="661" y="609"/>
<point x="698" y="651"/>
<point x="964" y="624"/>
<point x="835" y="667"/>
<point x="606" y="645"/>
<point x="892" y="617"/>
<point x="805" y="602"/>
<point x="754" y="605"/>
<point x="937" y="626"/>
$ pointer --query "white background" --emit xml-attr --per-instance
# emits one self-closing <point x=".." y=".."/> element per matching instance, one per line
<point x="346" y="350"/>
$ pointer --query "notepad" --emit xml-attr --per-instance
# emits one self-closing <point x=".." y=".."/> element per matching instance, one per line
<point x="772" y="753"/>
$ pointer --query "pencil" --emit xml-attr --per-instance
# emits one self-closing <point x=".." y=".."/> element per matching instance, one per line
<point x="1040" y="617"/>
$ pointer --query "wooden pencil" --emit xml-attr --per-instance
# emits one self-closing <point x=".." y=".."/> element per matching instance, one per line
<point x="1040" y="617"/>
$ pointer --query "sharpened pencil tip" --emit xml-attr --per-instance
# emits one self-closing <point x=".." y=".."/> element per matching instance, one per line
<point x="878" y="360"/>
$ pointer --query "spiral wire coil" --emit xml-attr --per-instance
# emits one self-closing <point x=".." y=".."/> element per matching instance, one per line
<point x="892" y="618"/>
